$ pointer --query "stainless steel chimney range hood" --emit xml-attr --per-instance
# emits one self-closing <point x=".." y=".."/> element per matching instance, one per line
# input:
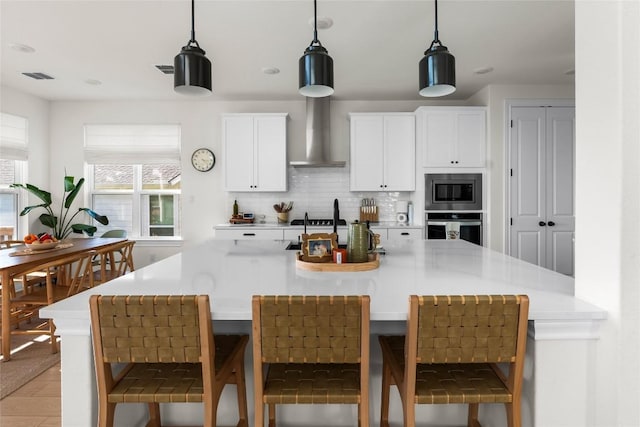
<point x="318" y="136"/>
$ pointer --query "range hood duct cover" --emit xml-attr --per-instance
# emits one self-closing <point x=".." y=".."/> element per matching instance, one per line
<point x="318" y="136"/>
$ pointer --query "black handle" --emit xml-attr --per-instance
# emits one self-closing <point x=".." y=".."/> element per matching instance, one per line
<point x="248" y="234"/>
<point x="404" y="233"/>
<point x="551" y="223"/>
<point x="542" y="223"/>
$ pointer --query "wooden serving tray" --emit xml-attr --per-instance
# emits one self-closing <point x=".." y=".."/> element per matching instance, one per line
<point x="372" y="264"/>
<point x="241" y="221"/>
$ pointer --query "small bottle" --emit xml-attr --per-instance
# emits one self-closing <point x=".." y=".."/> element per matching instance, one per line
<point x="410" y="213"/>
<point x="235" y="208"/>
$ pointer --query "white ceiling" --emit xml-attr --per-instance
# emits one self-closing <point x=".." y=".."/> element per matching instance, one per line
<point x="375" y="45"/>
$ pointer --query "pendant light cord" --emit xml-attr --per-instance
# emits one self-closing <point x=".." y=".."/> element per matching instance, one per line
<point x="193" y="25"/>
<point x="315" y="40"/>
<point x="436" y="38"/>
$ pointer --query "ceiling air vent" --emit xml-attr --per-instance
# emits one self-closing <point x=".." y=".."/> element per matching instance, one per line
<point x="38" y="76"/>
<point x="166" y="69"/>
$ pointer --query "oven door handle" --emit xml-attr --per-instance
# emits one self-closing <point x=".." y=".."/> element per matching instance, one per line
<point x="462" y="223"/>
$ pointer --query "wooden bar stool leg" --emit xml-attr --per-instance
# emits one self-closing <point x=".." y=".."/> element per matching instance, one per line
<point x="472" y="421"/>
<point x="242" y="394"/>
<point x="272" y="415"/>
<point x="384" y="403"/>
<point x="154" y="415"/>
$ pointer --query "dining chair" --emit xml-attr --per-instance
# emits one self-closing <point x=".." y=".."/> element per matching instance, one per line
<point x="450" y="353"/>
<point x="115" y="233"/>
<point x="113" y="261"/>
<point x="63" y="278"/>
<point x="315" y="350"/>
<point x="170" y="352"/>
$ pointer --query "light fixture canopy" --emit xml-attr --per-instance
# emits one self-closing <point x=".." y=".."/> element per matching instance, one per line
<point x="315" y="66"/>
<point x="192" y="69"/>
<point x="437" y="70"/>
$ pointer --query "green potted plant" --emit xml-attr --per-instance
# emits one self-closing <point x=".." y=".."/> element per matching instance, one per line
<point x="61" y="225"/>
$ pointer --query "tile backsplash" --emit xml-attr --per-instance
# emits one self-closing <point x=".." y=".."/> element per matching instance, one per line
<point x="313" y="190"/>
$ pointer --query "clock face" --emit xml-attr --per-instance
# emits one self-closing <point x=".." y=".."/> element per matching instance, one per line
<point x="203" y="159"/>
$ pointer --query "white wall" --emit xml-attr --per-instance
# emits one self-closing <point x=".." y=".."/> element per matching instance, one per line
<point x="608" y="198"/>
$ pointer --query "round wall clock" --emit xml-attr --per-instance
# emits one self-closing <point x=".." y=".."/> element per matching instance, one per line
<point x="203" y="159"/>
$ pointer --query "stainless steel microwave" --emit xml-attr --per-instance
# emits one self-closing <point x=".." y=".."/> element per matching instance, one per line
<point x="453" y="191"/>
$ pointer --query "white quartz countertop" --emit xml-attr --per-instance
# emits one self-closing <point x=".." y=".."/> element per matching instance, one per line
<point x="230" y="272"/>
<point x="273" y="225"/>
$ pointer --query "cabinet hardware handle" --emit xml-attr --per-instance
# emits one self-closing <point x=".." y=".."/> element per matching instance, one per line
<point x="381" y="185"/>
<point x="248" y="234"/>
<point x="551" y="223"/>
<point x="542" y="223"/>
<point x="456" y="161"/>
<point x="451" y="161"/>
<point x="404" y="233"/>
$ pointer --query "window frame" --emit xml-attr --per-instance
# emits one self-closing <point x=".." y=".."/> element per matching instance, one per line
<point x="140" y="213"/>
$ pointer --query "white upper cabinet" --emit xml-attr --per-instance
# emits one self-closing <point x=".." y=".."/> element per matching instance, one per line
<point x="383" y="147"/>
<point x="452" y="136"/>
<point x="255" y="152"/>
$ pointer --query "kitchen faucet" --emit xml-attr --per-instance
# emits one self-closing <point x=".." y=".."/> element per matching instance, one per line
<point x="336" y="217"/>
<point x="306" y="221"/>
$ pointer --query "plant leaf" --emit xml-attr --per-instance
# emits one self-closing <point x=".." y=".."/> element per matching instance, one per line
<point x="30" y="208"/>
<point x="74" y="191"/>
<point x="100" y="218"/>
<point x="68" y="184"/>
<point x="84" y="228"/>
<point x="45" y="196"/>
<point x="48" y="220"/>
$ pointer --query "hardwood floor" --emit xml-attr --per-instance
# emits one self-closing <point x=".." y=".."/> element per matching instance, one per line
<point x="35" y="404"/>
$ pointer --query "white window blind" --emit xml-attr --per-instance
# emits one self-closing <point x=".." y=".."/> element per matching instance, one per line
<point x="13" y="137"/>
<point x="132" y="144"/>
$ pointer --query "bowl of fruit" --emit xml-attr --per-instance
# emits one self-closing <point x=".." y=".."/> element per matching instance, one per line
<point x="40" y="243"/>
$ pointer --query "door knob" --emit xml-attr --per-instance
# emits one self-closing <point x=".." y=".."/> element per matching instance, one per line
<point x="551" y="223"/>
<point x="542" y="223"/>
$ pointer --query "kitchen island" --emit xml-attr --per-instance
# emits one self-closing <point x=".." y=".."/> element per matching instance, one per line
<point x="562" y="329"/>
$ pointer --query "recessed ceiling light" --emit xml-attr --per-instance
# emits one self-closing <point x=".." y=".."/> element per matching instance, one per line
<point x="23" y="48"/>
<point x="570" y="72"/>
<point x="270" y="70"/>
<point x="483" y="70"/>
<point x="324" y="22"/>
<point x="93" y="82"/>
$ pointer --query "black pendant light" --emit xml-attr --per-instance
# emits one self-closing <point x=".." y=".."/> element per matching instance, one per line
<point x="192" y="75"/>
<point x="437" y="68"/>
<point x="315" y="66"/>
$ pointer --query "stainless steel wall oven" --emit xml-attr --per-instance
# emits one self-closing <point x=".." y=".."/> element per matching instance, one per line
<point x="470" y="225"/>
<point x="453" y="192"/>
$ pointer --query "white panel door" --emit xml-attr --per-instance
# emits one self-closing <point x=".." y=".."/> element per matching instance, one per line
<point x="542" y="186"/>
<point x="270" y="165"/>
<point x="528" y="154"/>
<point x="560" y="214"/>
<point x="367" y="153"/>
<point x="399" y="153"/>
<point x="238" y="153"/>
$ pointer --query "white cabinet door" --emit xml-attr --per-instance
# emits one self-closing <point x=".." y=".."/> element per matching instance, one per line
<point x="382" y="152"/>
<point x="255" y="152"/>
<point x="399" y="153"/>
<point x="238" y="153"/>
<point x="542" y="182"/>
<point x="453" y="136"/>
<point x="471" y="139"/>
<point x="271" y="154"/>
<point x="367" y="153"/>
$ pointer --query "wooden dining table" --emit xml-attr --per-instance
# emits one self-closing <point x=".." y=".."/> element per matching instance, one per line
<point x="12" y="265"/>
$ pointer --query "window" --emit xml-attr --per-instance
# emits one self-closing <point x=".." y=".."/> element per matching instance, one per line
<point x="13" y="167"/>
<point x="133" y="178"/>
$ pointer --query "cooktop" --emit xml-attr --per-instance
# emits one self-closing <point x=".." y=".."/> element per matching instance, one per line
<point x="316" y="222"/>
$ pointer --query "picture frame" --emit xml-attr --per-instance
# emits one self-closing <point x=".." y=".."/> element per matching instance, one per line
<point x="319" y="247"/>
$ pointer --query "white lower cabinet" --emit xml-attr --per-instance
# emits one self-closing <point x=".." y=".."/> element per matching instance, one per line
<point x="405" y="233"/>
<point x="248" y="233"/>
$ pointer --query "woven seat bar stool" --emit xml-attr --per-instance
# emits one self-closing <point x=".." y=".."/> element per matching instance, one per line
<point x="450" y="354"/>
<point x="113" y="261"/>
<point x="310" y="350"/>
<point x="170" y="352"/>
